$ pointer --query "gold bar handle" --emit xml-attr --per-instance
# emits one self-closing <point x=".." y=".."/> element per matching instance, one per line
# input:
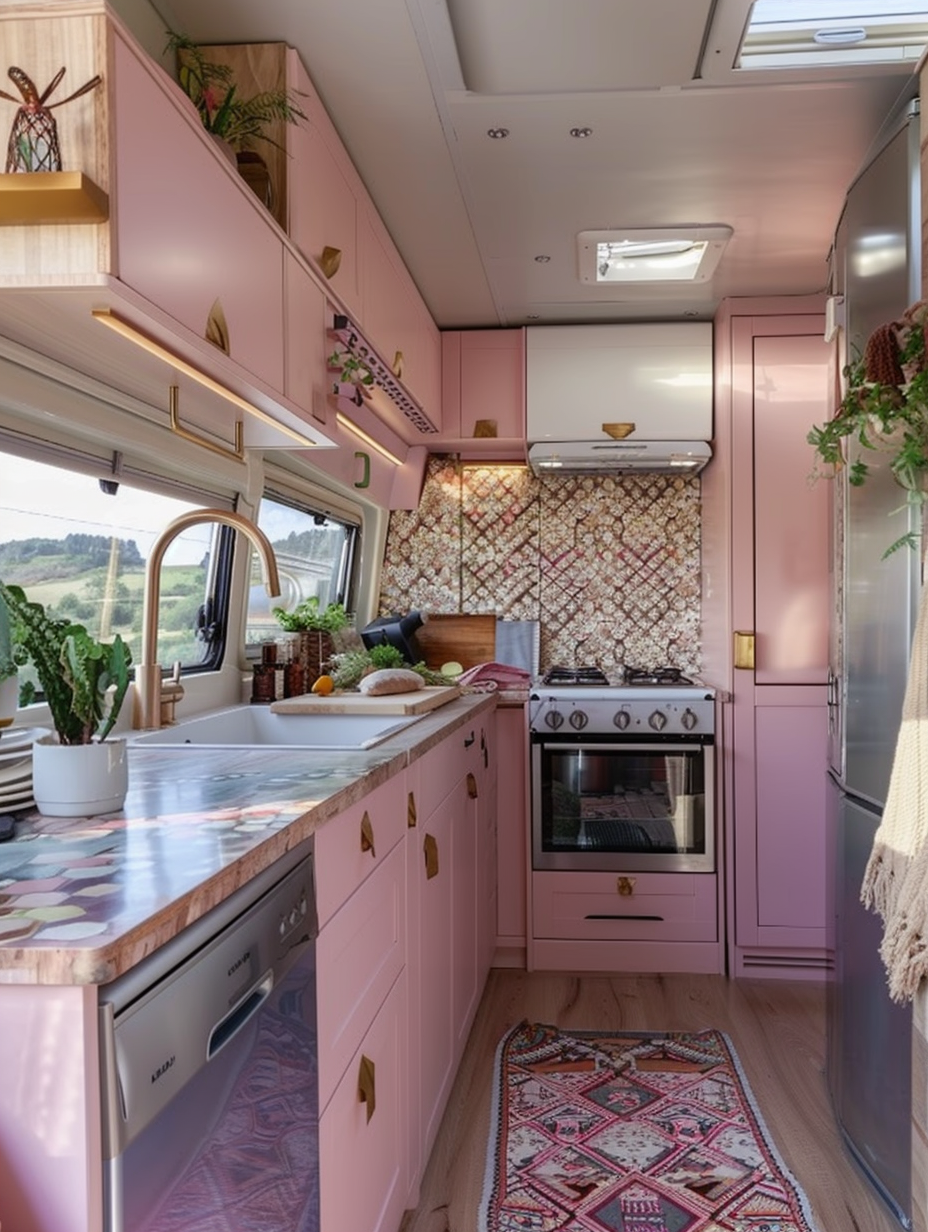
<point x="472" y="786"/>
<point x="367" y="1085"/>
<point x="412" y="817"/>
<point x="744" y="651"/>
<point x="430" y="848"/>
<point x="236" y="454"/>
<point x="367" y="835"/>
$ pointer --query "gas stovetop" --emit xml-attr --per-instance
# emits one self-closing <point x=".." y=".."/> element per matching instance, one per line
<point x="636" y="702"/>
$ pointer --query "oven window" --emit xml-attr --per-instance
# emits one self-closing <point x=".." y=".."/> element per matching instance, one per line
<point x="610" y="800"/>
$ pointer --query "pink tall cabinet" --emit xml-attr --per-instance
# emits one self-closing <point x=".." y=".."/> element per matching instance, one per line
<point x="766" y="575"/>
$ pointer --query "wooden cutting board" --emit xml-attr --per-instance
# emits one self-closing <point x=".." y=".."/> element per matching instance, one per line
<point x="456" y="638"/>
<point x="420" y="702"/>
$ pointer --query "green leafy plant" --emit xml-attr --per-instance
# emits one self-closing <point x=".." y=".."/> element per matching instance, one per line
<point x="213" y="91"/>
<point x="308" y="615"/>
<point x="8" y="663"/>
<point x="351" y="370"/>
<point x="883" y="418"/>
<point x="84" y="680"/>
<point x="349" y="667"/>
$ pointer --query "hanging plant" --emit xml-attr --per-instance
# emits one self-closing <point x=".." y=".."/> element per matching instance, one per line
<point x="884" y="410"/>
<point x="352" y="371"/>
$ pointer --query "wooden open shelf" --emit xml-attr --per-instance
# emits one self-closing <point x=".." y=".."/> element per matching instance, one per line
<point x="34" y="197"/>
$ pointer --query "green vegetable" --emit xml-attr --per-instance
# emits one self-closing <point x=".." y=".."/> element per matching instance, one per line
<point x="308" y="616"/>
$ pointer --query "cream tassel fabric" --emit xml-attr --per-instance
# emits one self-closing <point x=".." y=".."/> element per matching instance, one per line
<point x="896" y="878"/>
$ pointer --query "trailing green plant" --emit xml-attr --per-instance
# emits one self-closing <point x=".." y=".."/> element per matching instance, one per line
<point x="84" y="681"/>
<point x="213" y="91"/>
<point x="351" y="369"/>
<point x="883" y="418"/>
<point x="308" y="615"/>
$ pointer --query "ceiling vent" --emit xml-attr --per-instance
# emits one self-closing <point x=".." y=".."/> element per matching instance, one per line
<point x="660" y="254"/>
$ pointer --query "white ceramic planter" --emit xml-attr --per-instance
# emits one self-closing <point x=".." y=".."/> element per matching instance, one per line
<point x="79" y="780"/>
<point x="9" y="699"/>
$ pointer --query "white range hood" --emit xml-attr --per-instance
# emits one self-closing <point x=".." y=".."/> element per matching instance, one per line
<point x="619" y="398"/>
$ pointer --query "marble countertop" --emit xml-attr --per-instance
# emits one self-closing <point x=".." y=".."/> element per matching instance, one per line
<point x="82" y="901"/>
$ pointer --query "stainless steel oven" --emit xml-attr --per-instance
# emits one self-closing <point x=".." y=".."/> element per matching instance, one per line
<point x="622" y="776"/>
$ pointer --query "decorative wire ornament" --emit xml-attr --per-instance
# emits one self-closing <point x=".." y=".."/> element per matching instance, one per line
<point x="33" y="144"/>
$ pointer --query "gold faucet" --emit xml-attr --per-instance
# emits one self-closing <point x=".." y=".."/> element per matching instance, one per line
<point x="148" y="680"/>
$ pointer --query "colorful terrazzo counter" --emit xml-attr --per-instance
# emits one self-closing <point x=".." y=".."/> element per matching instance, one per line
<point x="82" y="901"/>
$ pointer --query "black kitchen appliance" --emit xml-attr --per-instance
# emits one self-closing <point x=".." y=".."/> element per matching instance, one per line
<point x="396" y="631"/>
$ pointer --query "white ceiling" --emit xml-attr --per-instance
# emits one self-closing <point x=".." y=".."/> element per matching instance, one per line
<point x="413" y="86"/>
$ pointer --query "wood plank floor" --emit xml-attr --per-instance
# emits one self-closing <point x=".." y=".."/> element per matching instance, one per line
<point x="777" y="1027"/>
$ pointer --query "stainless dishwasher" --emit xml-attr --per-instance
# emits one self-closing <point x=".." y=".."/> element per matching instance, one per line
<point x="209" y="1069"/>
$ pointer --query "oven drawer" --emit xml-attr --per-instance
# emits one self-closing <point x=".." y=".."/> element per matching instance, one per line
<point x="625" y="907"/>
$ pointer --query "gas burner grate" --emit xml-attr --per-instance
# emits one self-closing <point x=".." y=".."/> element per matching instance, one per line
<point x="574" y="675"/>
<point x="654" y="676"/>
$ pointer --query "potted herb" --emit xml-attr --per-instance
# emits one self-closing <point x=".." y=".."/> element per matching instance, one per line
<point x="315" y="626"/>
<point x="884" y="411"/>
<point x="79" y="772"/>
<point x="355" y="377"/>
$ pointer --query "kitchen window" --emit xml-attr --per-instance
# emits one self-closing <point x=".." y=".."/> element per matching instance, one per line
<point x="76" y="539"/>
<point x="317" y="553"/>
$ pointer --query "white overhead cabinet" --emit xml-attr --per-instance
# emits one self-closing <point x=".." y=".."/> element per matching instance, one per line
<point x="584" y="380"/>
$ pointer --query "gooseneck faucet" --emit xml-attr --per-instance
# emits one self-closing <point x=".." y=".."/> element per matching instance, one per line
<point x="148" y="681"/>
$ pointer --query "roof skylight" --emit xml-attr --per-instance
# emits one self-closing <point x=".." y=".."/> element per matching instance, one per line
<point x="822" y="33"/>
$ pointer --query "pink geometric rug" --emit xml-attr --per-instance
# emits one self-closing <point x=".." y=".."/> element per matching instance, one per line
<point x="631" y="1132"/>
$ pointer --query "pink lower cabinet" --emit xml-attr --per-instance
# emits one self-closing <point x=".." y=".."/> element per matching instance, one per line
<point x="512" y="831"/>
<point x="363" y="1128"/>
<point x="625" y="922"/>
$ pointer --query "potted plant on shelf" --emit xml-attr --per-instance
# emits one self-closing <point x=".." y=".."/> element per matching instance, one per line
<point x="355" y="376"/>
<point x="236" y="123"/>
<point x="884" y="411"/>
<point x="316" y="627"/>
<point x="78" y="772"/>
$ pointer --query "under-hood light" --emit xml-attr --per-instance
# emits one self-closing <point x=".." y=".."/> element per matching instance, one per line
<point x="105" y="317"/>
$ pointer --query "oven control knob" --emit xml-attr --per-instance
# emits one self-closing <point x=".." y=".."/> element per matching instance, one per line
<point x="657" y="720"/>
<point x="688" y="719"/>
<point x="621" y="719"/>
<point x="554" y="719"/>
<point x="578" y="720"/>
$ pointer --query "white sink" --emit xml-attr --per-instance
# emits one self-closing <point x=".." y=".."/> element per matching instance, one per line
<point x="247" y="726"/>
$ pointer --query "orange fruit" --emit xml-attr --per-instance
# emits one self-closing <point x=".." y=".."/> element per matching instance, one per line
<point x="324" y="686"/>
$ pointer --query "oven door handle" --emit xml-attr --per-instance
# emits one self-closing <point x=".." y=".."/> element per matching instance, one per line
<point x="624" y="746"/>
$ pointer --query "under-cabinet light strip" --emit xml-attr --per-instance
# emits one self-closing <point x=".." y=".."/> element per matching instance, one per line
<point x="368" y="440"/>
<point x="108" y="318"/>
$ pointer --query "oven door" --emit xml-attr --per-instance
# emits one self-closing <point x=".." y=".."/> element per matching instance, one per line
<point x="615" y="805"/>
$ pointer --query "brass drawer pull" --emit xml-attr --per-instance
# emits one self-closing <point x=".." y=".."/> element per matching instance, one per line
<point x="367" y="1085"/>
<point x="430" y="848"/>
<point x="626" y="886"/>
<point x="367" y="835"/>
<point x="412" y="817"/>
<point x="744" y="651"/>
<point x="472" y="787"/>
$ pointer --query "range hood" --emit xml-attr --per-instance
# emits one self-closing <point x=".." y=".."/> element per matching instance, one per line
<point x="619" y="398"/>
<point x="618" y="457"/>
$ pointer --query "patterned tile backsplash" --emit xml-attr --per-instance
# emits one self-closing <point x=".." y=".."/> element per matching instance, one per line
<point x="609" y="566"/>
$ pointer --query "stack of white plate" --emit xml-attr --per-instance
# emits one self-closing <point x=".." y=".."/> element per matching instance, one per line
<point x="16" y="766"/>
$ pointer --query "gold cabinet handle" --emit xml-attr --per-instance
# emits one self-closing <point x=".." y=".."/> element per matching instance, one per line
<point x="472" y="786"/>
<point x="367" y="835"/>
<point x="330" y="260"/>
<point x="412" y="817"/>
<point x="367" y="1085"/>
<point x="626" y="886"/>
<point x="236" y="453"/>
<point x="430" y="848"/>
<point x="744" y="651"/>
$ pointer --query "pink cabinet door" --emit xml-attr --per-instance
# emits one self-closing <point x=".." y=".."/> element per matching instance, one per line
<point x="325" y="191"/>
<point x="483" y="389"/>
<point x="190" y="232"/>
<point x="362" y="1140"/>
<point x="512" y="829"/>
<point x="791" y="515"/>
<point x="434" y="855"/>
<point x="465" y="982"/>
<point x="305" y="374"/>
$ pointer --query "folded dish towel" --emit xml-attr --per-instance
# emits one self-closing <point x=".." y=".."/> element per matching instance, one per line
<point x="896" y="878"/>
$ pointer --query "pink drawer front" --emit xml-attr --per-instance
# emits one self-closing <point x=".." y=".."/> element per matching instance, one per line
<point x="653" y="906"/>
<point x="352" y="845"/>
<point x="442" y="767"/>
<point x="360" y="952"/>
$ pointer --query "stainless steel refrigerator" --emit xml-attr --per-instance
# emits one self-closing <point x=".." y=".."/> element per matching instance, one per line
<point x="877" y="270"/>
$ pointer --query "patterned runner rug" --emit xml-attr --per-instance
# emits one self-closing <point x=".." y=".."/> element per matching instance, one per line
<point x="631" y="1132"/>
